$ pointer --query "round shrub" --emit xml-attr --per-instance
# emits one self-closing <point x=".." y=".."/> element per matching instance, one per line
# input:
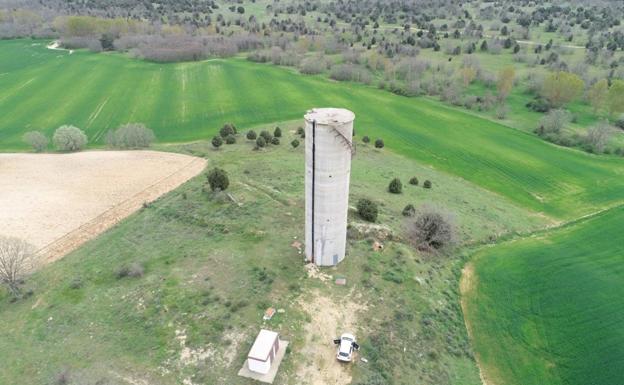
<point x="251" y="135"/>
<point x="379" y="143"/>
<point x="427" y="184"/>
<point x="413" y="181"/>
<point x="69" y="138"/>
<point x="217" y="142"/>
<point x="365" y="139"/>
<point x="367" y="210"/>
<point x="230" y="139"/>
<point x="131" y="135"/>
<point x="266" y="135"/>
<point x="300" y="131"/>
<point x="218" y="179"/>
<point x="275" y="141"/>
<point x="227" y="129"/>
<point x="36" y="140"/>
<point x="294" y="143"/>
<point x="395" y="186"/>
<point x="260" y="142"/>
<point x="409" y="210"/>
<point x="278" y="132"/>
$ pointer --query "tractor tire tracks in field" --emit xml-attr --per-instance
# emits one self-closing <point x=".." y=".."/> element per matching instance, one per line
<point x="469" y="280"/>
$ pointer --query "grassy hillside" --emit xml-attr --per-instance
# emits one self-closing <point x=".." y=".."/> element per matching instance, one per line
<point x="42" y="89"/>
<point x="548" y="309"/>
<point x="212" y="266"/>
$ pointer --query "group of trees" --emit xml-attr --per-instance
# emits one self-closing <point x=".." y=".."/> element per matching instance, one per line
<point x="431" y="229"/>
<point x="69" y="138"/>
<point x="65" y="138"/>
<point x="228" y="134"/>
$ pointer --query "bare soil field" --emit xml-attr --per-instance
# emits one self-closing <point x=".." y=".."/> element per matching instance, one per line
<point x="59" y="201"/>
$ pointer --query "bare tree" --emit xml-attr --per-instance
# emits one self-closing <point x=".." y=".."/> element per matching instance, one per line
<point x="598" y="136"/>
<point x="554" y="122"/>
<point x="432" y="229"/>
<point x="16" y="257"/>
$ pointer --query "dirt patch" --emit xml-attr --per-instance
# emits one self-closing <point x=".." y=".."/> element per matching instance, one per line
<point x="59" y="201"/>
<point x="313" y="271"/>
<point x="329" y="319"/>
<point x="56" y="45"/>
<point x="467" y="285"/>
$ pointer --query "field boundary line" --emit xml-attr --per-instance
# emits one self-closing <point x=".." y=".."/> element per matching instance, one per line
<point x="71" y="240"/>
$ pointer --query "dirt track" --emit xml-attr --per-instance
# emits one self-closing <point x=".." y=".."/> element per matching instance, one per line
<point x="59" y="201"/>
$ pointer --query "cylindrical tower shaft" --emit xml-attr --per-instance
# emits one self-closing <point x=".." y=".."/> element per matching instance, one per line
<point x="328" y="148"/>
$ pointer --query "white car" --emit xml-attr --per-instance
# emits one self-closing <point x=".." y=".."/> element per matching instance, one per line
<point x="346" y="345"/>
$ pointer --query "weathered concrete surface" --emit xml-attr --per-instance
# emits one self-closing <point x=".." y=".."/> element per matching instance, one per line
<point x="328" y="148"/>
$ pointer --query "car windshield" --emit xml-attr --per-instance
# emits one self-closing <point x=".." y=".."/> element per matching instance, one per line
<point x="347" y="339"/>
<point x="343" y="354"/>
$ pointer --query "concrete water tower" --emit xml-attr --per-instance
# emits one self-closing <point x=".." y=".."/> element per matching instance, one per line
<point x="329" y="147"/>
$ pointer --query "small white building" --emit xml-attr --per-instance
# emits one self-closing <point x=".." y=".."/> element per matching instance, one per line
<point x="263" y="351"/>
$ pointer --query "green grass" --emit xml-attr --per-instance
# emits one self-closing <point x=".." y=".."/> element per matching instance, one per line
<point x="548" y="309"/>
<point x="201" y="253"/>
<point x="496" y="179"/>
<point x="189" y="101"/>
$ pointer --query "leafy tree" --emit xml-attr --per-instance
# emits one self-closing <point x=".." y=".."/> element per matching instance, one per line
<point x="379" y="143"/>
<point x="484" y="46"/>
<point x="218" y="179"/>
<point x="616" y="97"/>
<point x="266" y="135"/>
<point x="230" y="139"/>
<point x="69" y="138"/>
<point x="409" y="210"/>
<point x="560" y="88"/>
<point x="261" y="142"/>
<point x="620" y="122"/>
<point x="217" y="142"/>
<point x="275" y="141"/>
<point x="365" y="139"/>
<point x="294" y="143"/>
<point x="395" y="186"/>
<point x="278" y="132"/>
<point x="251" y="135"/>
<point x="597" y="94"/>
<point x="227" y="129"/>
<point x="505" y="81"/>
<point x="427" y="184"/>
<point x="413" y="181"/>
<point x="367" y="210"/>
<point x="36" y="140"/>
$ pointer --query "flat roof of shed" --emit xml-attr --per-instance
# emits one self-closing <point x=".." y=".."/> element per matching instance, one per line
<point x="263" y="345"/>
